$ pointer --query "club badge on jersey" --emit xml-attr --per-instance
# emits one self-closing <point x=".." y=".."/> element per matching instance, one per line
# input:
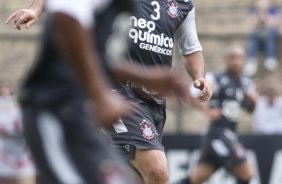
<point x="172" y="10"/>
<point x="146" y="130"/>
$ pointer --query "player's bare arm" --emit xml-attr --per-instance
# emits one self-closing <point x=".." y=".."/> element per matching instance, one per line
<point x="251" y="101"/>
<point x="191" y="50"/>
<point x="194" y="64"/>
<point x="81" y="56"/>
<point x="27" y="16"/>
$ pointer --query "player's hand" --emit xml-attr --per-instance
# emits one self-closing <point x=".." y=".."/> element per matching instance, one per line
<point x="205" y="87"/>
<point x="109" y="109"/>
<point x="252" y="96"/>
<point x="23" y="16"/>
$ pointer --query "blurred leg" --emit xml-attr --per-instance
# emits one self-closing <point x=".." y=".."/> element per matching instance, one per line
<point x="271" y="43"/>
<point x="9" y="180"/>
<point x="271" y="50"/>
<point x="27" y="180"/>
<point x="243" y="172"/>
<point x="253" y="45"/>
<point x="201" y="173"/>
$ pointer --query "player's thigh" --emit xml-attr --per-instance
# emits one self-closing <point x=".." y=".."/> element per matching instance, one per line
<point x="201" y="172"/>
<point x="150" y="163"/>
<point x="243" y="171"/>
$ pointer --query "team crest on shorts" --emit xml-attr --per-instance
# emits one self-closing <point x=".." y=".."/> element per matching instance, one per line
<point x="147" y="130"/>
<point x="172" y="8"/>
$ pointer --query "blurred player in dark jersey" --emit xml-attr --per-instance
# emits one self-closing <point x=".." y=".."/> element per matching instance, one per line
<point x="58" y="122"/>
<point x="155" y="25"/>
<point x="220" y="145"/>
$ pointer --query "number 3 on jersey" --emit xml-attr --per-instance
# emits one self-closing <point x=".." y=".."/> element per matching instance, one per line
<point x="156" y="15"/>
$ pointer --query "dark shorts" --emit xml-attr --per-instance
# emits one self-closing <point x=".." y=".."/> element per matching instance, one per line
<point x="221" y="148"/>
<point x="142" y="130"/>
<point x="68" y="148"/>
